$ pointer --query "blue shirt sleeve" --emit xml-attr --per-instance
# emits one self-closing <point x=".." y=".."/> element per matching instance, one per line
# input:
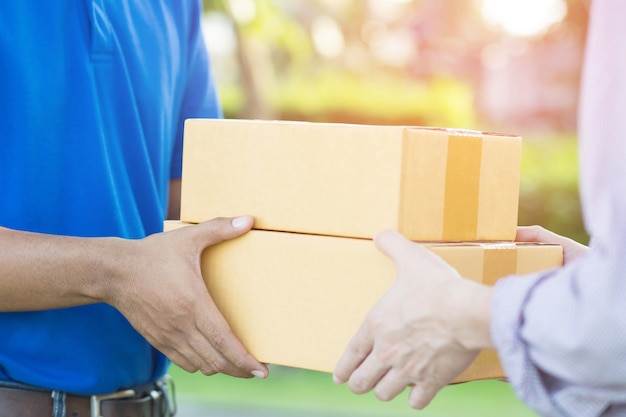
<point x="93" y="99"/>
<point x="201" y="97"/>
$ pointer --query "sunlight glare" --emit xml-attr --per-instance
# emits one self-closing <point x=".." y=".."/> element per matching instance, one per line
<point x="328" y="39"/>
<point x="523" y="17"/>
<point x="244" y="11"/>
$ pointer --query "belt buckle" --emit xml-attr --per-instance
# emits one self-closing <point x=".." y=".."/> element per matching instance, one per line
<point x="166" y="386"/>
<point x="95" y="400"/>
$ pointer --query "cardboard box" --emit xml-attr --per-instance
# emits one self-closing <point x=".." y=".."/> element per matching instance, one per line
<point x="430" y="184"/>
<point x="296" y="299"/>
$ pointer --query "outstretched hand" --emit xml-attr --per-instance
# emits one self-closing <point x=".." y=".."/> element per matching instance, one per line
<point x="422" y="333"/>
<point x="165" y="298"/>
<point x="571" y="249"/>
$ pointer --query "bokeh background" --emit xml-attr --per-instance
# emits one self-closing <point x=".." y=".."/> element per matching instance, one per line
<point x="511" y="66"/>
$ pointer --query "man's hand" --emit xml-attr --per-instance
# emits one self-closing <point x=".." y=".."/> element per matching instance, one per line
<point x="571" y="249"/>
<point x="422" y="333"/>
<point x="164" y="297"/>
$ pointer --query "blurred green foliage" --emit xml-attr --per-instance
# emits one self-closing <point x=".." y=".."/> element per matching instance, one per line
<point x="331" y="96"/>
<point x="341" y="97"/>
<point x="549" y="194"/>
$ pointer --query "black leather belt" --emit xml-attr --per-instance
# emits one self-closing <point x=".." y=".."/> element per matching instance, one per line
<point x="152" y="400"/>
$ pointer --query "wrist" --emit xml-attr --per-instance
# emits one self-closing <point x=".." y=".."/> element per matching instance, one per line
<point x="471" y="304"/>
<point x="110" y="263"/>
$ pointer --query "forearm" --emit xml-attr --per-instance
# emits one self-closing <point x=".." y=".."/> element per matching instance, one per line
<point x="39" y="271"/>
<point x="155" y="283"/>
<point x="560" y="335"/>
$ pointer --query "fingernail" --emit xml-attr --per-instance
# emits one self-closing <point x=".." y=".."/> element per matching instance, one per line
<point x="258" y="374"/>
<point x="337" y="380"/>
<point x="240" y="222"/>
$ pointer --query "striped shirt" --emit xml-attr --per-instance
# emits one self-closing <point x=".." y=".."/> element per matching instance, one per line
<point x="561" y="334"/>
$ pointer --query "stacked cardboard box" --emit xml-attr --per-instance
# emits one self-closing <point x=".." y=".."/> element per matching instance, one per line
<point x="296" y="289"/>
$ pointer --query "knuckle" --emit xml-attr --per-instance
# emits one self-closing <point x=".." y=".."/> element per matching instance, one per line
<point x="376" y="324"/>
<point x="416" y="404"/>
<point x="209" y="372"/>
<point x="240" y="363"/>
<point x="357" y="384"/>
<point x="388" y="354"/>
<point x="421" y="397"/>
<point x="219" y="364"/>
<point x="189" y="367"/>
<point x="184" y="307"/>
<point x="383" y="395"/>
<point x="219" y="342"/>
<point x="218" y="222"/>
<point x="357" y="351"/>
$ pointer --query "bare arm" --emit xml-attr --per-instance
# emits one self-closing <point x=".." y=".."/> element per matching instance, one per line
<point x="156" y="283"/>
<point x="41" y="271"/>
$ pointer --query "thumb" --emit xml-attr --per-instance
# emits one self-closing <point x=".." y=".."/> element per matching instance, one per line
<point x="407" y="254"/>
<point x="394" y="245"/>
<point x="220" y="229"/>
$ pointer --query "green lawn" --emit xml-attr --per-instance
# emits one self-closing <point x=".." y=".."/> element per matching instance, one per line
<point x="293" y="390"/>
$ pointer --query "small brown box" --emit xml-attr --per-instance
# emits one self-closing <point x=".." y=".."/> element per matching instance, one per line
<point x="430" y="184"/>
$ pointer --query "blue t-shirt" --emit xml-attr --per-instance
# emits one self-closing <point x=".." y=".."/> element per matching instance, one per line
<point x="93" y="95"/>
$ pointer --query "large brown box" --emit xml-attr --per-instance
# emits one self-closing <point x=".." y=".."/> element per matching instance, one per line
<point x="296" y="299"/>
<point x="430" y="184"/>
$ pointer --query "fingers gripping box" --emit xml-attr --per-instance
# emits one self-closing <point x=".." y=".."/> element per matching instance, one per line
<point x="297" y="299"/>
